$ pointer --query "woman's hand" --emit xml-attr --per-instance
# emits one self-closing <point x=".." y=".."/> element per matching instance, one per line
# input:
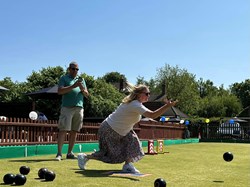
<point x="170" y="102"/>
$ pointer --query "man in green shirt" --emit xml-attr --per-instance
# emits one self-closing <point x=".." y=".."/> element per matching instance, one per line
<point x="73" y="89"/>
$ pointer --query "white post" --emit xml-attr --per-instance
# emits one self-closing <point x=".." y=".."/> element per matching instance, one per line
<point x="80" y="148"/>
<point x="26" y="151"/>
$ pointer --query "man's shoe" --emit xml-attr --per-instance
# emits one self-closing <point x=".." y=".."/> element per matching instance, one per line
<point x="82" y="160"/>
<point x="71" y="156"/>
<point x="129" y="168"/>
<point x="58" y="157"/>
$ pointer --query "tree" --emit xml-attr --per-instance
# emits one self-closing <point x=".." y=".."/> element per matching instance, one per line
<point x="103" y="99"/>
<point x="151" y="84"/>
<point x="180" y="85"/>
<point x="196" y="98"/>
<point x="232" y="105"/>
<point x="46" y="77"/>
<point x="216" y="102"/>
<point x="226" y="105"/>
<point x="114" y="77"/>
<point x="206" y="88"/>
<point x="16" y="91"/>
<point x="242" y="91"/>
<point x="141" y="80"/>
<point x="14" y="103"/>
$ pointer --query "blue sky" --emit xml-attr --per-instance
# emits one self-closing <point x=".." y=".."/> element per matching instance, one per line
<point x="208" y="38"/>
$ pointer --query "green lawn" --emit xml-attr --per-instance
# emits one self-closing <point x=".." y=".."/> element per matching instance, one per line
<point x="198" y="164"/>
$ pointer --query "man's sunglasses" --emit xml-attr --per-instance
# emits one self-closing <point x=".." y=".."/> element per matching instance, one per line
<point x="74" y="69"/>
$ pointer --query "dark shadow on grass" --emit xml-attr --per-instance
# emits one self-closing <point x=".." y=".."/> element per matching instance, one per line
<point x="103" y="173"/>
<point x="41" y="180"/>
<point x="218" y="181"/>
<point x="34" y="160"/>
<point x="45" y="181"/>
<point x="4" y="184"/>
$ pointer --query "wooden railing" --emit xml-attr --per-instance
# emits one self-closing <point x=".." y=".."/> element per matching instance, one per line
<point x="19" y="131"/>
<point x="159" y="130"/>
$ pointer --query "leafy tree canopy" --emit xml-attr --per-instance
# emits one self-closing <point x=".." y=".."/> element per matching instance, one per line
<point x="113" y="77"/>
<point x="242" y="91"/>
<point x="196" y="98"/>
<point x="103" y="99"/>
<point x="46" y="77"/>
<point x="180" y="85"/>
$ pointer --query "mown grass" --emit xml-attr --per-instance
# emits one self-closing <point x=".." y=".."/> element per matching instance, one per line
<point x="199" y="164"/>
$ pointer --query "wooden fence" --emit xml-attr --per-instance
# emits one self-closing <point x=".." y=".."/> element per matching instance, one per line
<point x="24" y="131"/>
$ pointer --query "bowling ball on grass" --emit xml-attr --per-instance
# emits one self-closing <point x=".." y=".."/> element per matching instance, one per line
<point x="50" y="176"/>
<point x="24" y="170"/>
<point x="41" y="173"/>
<point x="9" y="178"/>
<point x="160" y="183"/>
<point x="228" y="156"/>
<point x="20" y="179"/>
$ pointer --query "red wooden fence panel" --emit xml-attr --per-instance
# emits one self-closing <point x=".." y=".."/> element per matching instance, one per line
<point x="24" y="131"/>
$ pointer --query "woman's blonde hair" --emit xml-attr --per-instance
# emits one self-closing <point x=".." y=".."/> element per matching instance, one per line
<point x="134" y="91"/>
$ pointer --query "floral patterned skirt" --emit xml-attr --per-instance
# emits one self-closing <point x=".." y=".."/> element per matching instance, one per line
<point x="114" y="148"/>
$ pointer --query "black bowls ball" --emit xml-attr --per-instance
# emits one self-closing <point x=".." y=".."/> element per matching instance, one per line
<point x="20" y="179"/>
<point x="9" y="178"/>
<point x="24" y="170"/>
<point x="41" y="173"/>
<point x="50" y="176"/>
<point x="228" y="156"/>
<point x="160" y="183"/>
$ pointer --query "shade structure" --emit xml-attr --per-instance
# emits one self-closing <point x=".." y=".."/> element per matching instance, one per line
<point x="50" y="92"/>
<point x="235" y="119"/>
<point x="3" y="88"/>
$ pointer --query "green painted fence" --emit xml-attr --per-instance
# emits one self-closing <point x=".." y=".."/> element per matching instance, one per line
<point x="37" y="150"/>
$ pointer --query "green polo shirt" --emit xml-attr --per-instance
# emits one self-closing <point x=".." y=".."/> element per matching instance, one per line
<point x="75" y="96"/>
